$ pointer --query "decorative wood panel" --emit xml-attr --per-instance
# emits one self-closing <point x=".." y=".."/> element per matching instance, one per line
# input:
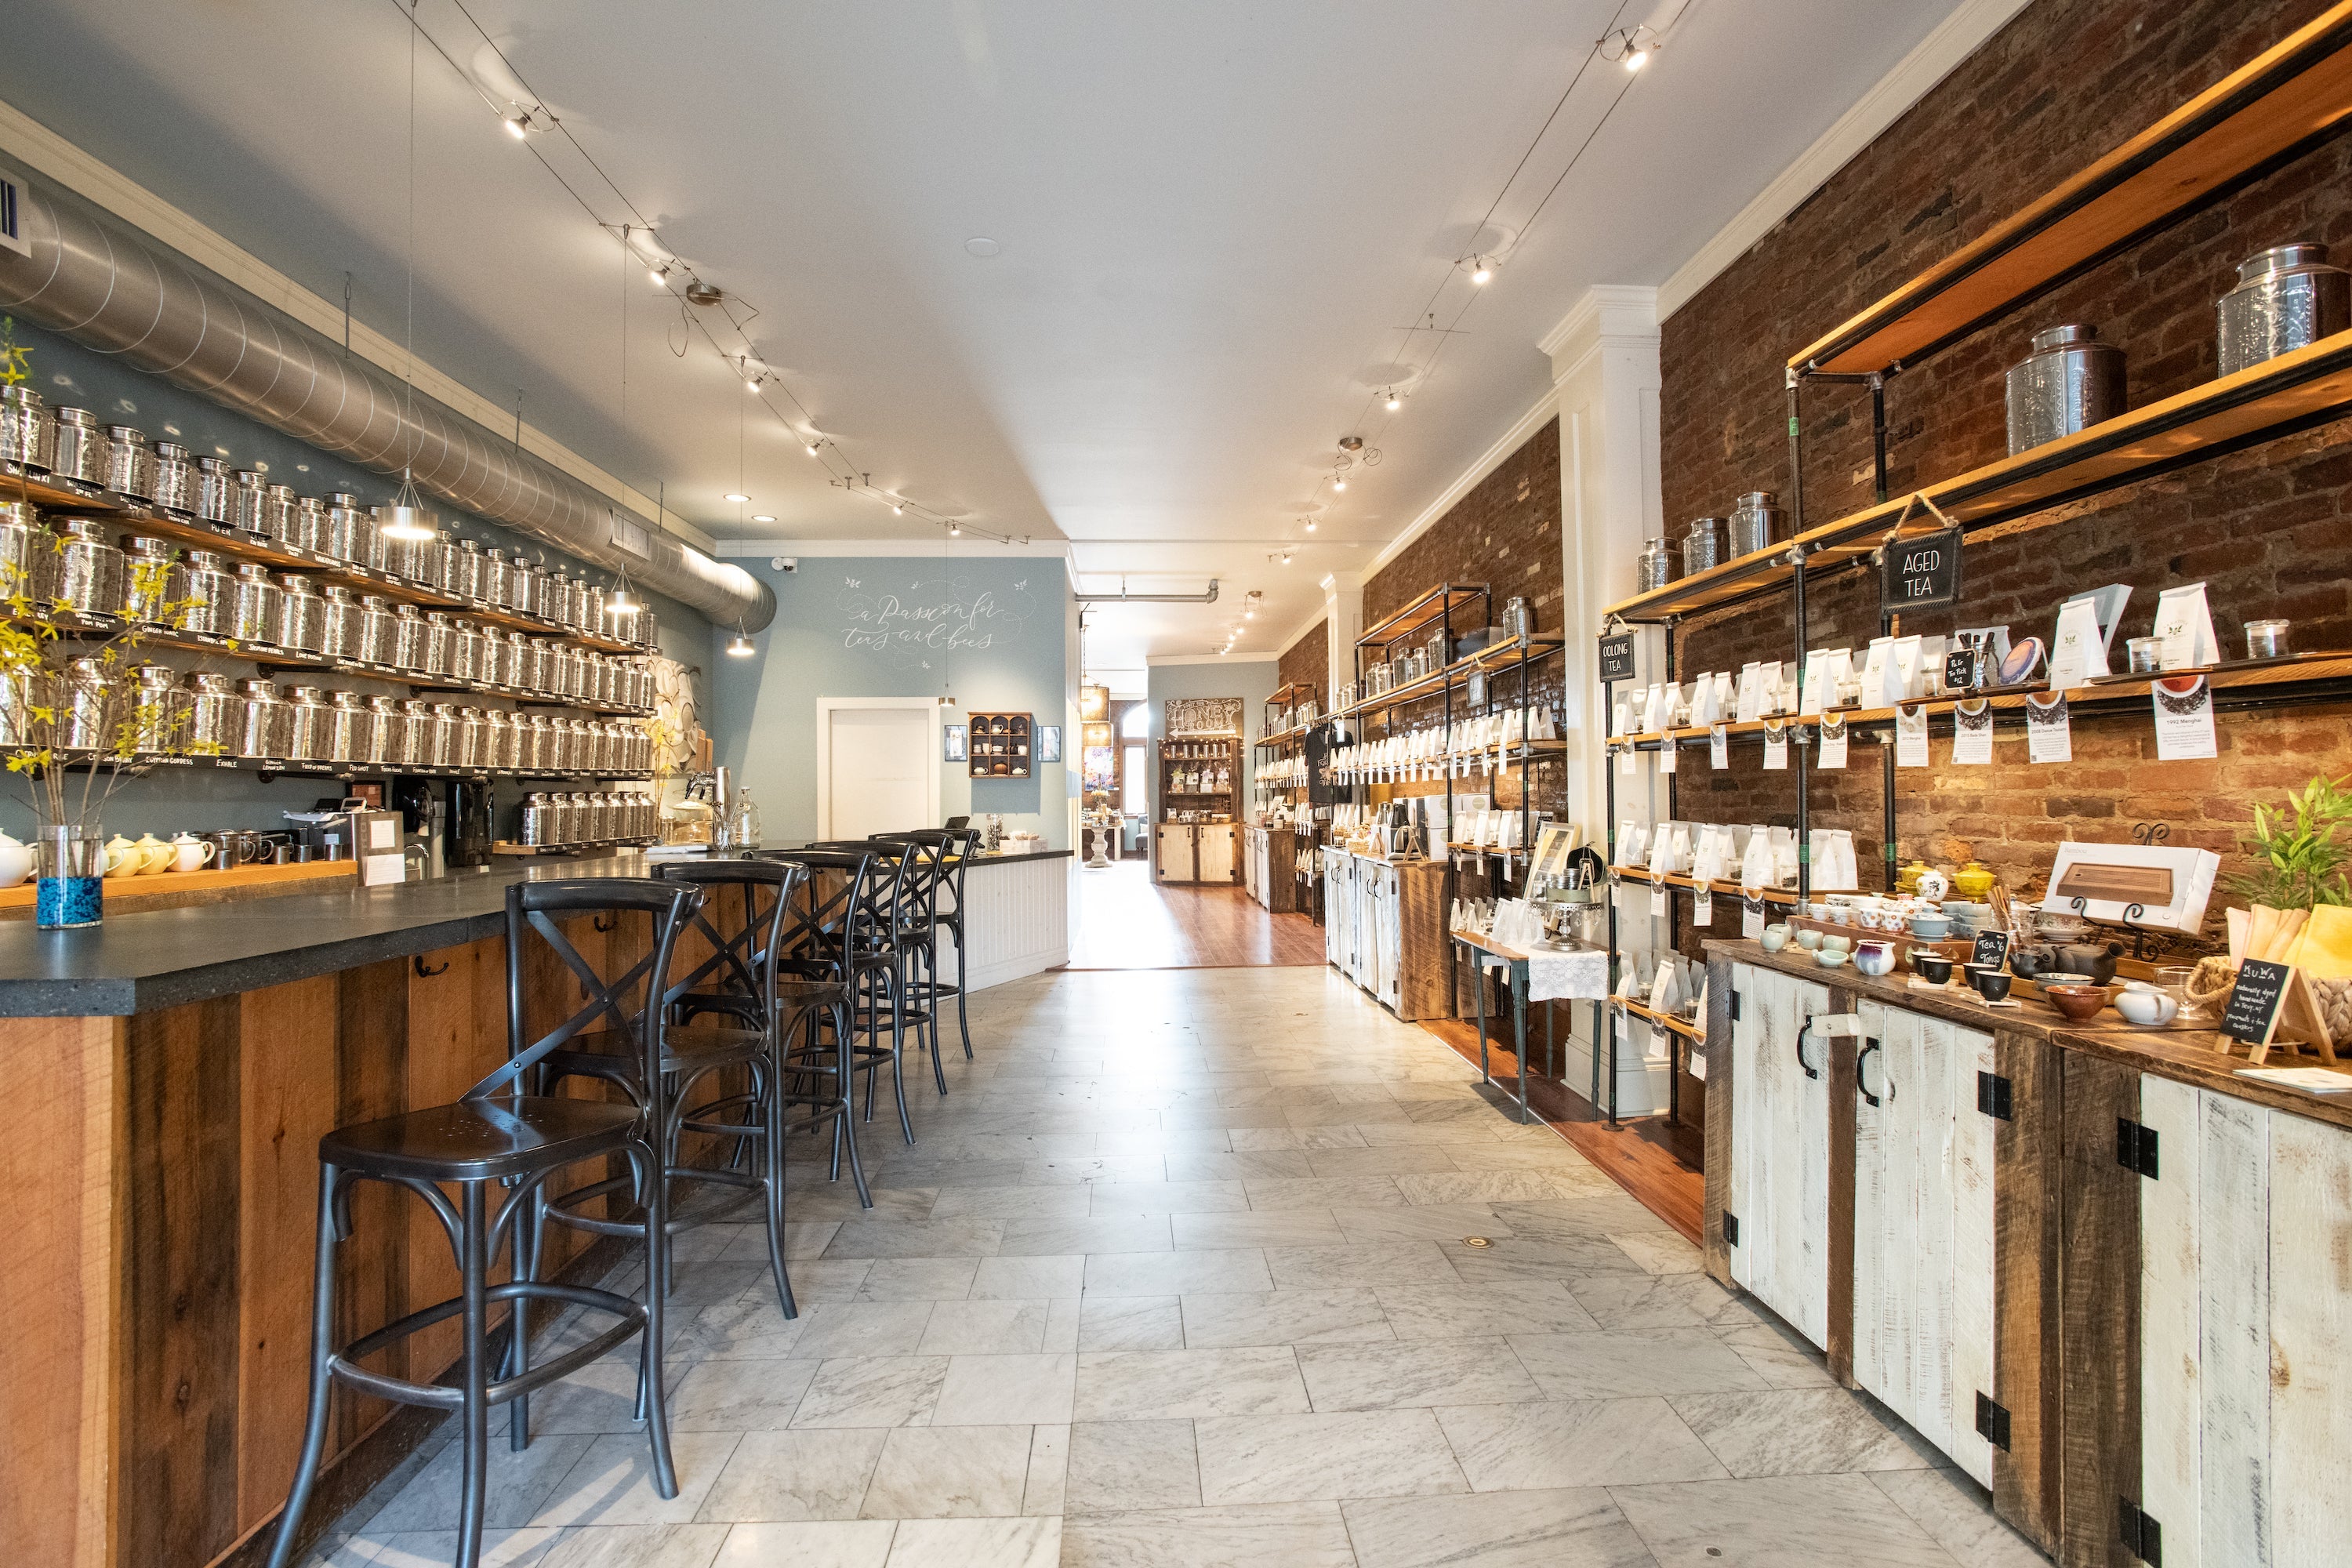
<point x="1781" y="1148"/>
<point x="2171" y="1368"/>
<point x="2027" y="1209"/>
<point x="2233" y="1179"/>
<point x="2099" y="1315"/>
<point x="1424" y="952"/>
<point x="1722" y="1102"/>
<point x="1974" y="1291"/>
<point x="2310" y="1340"/>
<point x="1208" y="716"/>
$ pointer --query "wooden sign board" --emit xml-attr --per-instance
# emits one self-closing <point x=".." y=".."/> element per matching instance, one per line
<point x="1202" y="715"/>
<point x="1920" y="574"/>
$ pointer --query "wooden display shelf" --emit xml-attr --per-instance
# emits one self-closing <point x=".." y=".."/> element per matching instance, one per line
<point x="130" y="512"/>
<point x="1423" y="611"/>
<point x="1667" y="1021"/>
<point x="2277" y="398"/>
<point x="1500" y="656"/>
<point x="1786" y="896"/>
<point x="2283" y="103"/>
<point x="1286" y="737"/>
<point x="172" y="889"/>
<point x="2321" y="677"/>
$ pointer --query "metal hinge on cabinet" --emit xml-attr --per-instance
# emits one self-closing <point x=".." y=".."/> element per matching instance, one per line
<point x="1993" y="1096"/>
<point x="1992" y="1423"/>
<point x="2135" y="1147"/>
<point x="1734" y="1007"/>
<point x="2141" y="1535"/>
<point x="1730" y="1229"/>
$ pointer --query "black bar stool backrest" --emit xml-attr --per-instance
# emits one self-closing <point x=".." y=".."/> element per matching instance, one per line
<point x="817" y="937"/>
<point x="925" y="864"/>
<point x="883" y="913"/>
<point x="742" y="960"/>
<point x="535" y="906"/>
<point x="955" y="847"/>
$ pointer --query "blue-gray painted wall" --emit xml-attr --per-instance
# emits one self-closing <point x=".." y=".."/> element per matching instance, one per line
<point x="1251" y="679"/>
<point x="990" y="628"/>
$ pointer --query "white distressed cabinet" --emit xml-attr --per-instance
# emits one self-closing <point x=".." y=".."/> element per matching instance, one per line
<point x="1923" y="1226"/>
<point x="1780" y="1184"/>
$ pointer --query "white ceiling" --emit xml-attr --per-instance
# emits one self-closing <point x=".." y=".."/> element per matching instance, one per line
<point x="1215" y="219"/>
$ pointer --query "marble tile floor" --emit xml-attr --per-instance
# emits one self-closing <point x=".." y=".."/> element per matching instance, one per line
<point x="1176" y="1276"/>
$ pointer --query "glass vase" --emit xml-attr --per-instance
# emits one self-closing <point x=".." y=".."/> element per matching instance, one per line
<point x="72" y="870"/>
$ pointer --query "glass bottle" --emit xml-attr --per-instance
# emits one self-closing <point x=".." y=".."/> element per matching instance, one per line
<point x="747" y="820"/>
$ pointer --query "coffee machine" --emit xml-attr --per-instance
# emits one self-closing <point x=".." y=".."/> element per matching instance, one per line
<point x="472" y="819"/>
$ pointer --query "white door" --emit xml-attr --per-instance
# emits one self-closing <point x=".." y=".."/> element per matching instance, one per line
<point x="1779" y="1136"/>
<point x="880" y="776"/>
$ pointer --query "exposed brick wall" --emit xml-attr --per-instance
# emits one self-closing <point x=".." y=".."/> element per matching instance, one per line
<point x="1309" y="659"/>
<point x="1504" y="534"/>
<point x="2266" y="529"/>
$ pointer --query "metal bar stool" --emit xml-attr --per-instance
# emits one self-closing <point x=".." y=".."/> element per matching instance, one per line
<point x="839" y="940"/>
<point x="809" y="993"/>
<point x="952" y="849"/>
<point x="917" y="940"/>
<point x="883" y="928"/>
<point x="497" y="1133"/>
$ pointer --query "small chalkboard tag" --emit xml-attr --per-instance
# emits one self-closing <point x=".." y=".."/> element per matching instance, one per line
<point x="2252" y="1015"/>
<point x="1617" y="657"/>
<point x="1919" y="573"/>
<point x="1960" y="670"/>
<point x="1992" y="948"/>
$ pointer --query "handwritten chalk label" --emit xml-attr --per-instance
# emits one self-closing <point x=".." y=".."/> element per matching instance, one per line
<point x="1960" y="670"/>
<point x="1719" y="746"/>
<point x="1751" y="918"/>
<point x="1920" y="574"/>
<point x="1911" y="737"/>
<point x="1617" y="657"/>
<point x="1992" y="948"/>
<point x="2252" y="1012"/>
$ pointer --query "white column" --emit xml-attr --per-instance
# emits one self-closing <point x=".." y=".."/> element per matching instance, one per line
<point x="1343" y="622"/>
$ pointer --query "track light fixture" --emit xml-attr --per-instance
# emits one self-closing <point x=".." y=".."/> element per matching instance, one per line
<point x="1394" y="401"/>
<point x="1630" y="46"/>
<point x="1339" y="482"/>
<point x="814" y="446"/>
<point x="1309" y="522"/>
<point x="955" y="531"/>
<point x="660" y="275"/>
<point x="763" y="516"/>
<point x="1481" y="271"/>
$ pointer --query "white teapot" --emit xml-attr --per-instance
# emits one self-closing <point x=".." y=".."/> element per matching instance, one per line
<point x="15" y="861"/>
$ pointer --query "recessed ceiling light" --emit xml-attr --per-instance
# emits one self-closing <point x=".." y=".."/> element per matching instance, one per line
<point x="737" y="496"/>
<point x="762" y="517"/>
<point x="981" y="247"/>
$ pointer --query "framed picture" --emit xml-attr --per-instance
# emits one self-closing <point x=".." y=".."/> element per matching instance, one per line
<point x="955" y="734"/>
<point x="1049" y="742"/>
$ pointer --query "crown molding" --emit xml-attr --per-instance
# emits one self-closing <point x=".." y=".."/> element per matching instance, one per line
<point x="45" y="152"/>
<point x="1954" y="40"/>
<point x="1158" y="658"/>
<point x="1605" y="310"/>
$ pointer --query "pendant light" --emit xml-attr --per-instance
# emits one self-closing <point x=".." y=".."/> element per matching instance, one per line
<point x="405" y="518"/>
<point x="740" y="646"/>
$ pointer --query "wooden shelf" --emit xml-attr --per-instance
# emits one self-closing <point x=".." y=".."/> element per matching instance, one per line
<point x="1722" y="888"/>
<point x="67" y="495"/>
<point x="152" y="888"/>
<point x="2283" y="103"/>
<point x="1422" y="611"/>
<point x="1501" y="656"/>
<point x="1683" y="1026"/>
<point x="2277" y="398"/>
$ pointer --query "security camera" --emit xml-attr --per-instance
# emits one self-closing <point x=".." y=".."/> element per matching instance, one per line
<point x="785" y="563"/>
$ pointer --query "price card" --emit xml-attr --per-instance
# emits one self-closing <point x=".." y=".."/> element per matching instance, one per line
<point x="1911" y="737"/>
<point x="1666" y="754"/>
<point x="1972" y="733"/>
<point x="1657" y="903"/>
<point x="2049" y="735"/>
<point x="1625" y="761"/>
<point x="1831" y="754"/>
<point x="1719" y="746"/>
<point x="1703" y="905"/>
<point x="1752" y="917"/>
<point x="2184" y="718"/>
<point x="1776" y="749"/>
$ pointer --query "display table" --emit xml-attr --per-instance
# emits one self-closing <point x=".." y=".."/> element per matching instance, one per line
<point x="1574" y="973"/>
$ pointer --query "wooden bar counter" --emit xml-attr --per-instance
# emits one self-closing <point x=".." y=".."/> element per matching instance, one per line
<point x="164" y="1079"/>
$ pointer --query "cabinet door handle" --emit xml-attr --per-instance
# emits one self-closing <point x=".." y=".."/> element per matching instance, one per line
<point x="1810" y="1071"/>
<point x="1867" y="1047"/>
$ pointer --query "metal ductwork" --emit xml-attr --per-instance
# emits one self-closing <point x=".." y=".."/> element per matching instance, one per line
<point x="1124" y="597"/>
<point x="109" y="288"/>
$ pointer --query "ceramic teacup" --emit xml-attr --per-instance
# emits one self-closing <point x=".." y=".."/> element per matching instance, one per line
<point x="1808" y="938"/>
<point x="1933" y="968"/>
<point x="1775" y="938"/>
<point x="1830" y="957"/>
<point x="1841" y="943"/>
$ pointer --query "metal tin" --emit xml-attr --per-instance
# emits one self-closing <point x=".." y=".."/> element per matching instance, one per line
<point x="2287" y="298"/>
<point x="411" y="640"/>
<point x="465" y="563"/>
<point x="498" y="739"/>
<point x="309" y="725"/>
<point x="80" y="450"/>
<point x="301" y="615"/>
<point x="592" y="613"/>
<point x="465" y="650"/>
<point x="254" y="612"/>
<point x="29" y="431"/>
<point x="210" y="591"/>
<point x="531" y="587"/>
<point x="214" y="712"/>
<point x="130" y="462"/>
<point x="535" y="819"/>
<point x="538" y="745"/>
<point x="1755" y="523"/>
<point x="419" y="730"/>
<point x="264" y="726"/>
<point x="215" y="489"/>
<point x="310" y="524"/>
<point x="248" y="496"/>
<point x="373" y="640"/>
<point x="176" y="478"/>
<point x="158" y="709"/>
<point x="351" y="727"/>
<point x="497" y="578"/>
<point x="440" y="558"/>
<point x="387" y="732"/>
<point x="24" y="548"/>
<point x="1703" y="544"/>
<point x="342" y="537"/>
<point x="338" y="622"/>
<point x="440" y="645"/>
<point x="152" y="578"/>
<point x="498" y="658"/>
<point x="471" y="730"/>
<point x="1655" y="567"/>
<point x="278" y="505"/>
<point x="86" y="572"/>
<point x="84" y="727"/>
<point x="2069" y="383"/>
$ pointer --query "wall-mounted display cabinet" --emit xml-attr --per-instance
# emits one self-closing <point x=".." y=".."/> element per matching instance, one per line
<point x="1002" y="745"/>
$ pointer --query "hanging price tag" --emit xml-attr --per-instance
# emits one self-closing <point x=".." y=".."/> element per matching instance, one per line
<point x="1719" y="746"/>
<point x="1657" y="903"/>
<point x="2049" y="735"/>
<point x="1972" y="733"/>
<point x="1702" y="906"/>
<point x="1626" y="761"/>
<point x="1831" y="754"/>
<point x="1752" y="917"/>
<point x="2184" y="718"/>
<point x="1776" y="749"/>
<point x="1666" y="757"/>
<point x="1910" y="736"/>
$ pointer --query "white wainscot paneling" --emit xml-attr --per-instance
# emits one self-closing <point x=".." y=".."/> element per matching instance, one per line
<point x="1017" y="919"/>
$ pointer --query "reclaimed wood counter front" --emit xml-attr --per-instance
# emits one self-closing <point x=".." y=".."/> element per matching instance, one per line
<point x="164" y="1080"/>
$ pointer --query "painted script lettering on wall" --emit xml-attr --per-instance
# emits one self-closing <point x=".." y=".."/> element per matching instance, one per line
<point x="913" y="622"/>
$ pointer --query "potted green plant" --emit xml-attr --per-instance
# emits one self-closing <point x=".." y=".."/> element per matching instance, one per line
<point x="2300" y="853"/>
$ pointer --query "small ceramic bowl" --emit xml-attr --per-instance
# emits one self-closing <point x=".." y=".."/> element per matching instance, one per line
<point x="2080" y="1003"/>
<point x="1933" y="968"/>
<point x="1834" y="940"/>
<point x="1830" y="957"/>
<point x="1808" y="938"/>
<point x="1775" y="938"/>
<point x="2146" y="1005"/>
<point x="1931" y="928"/>
<point x="1992" y="984"/>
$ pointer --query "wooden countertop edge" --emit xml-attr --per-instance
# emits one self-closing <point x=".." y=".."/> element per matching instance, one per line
<point x="2185" y="1056"/>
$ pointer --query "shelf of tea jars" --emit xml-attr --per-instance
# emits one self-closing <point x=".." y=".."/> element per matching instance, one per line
<point x="148" y="762"/>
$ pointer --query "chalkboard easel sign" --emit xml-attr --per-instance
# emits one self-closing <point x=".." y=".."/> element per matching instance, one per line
<point x="1920" y="574"/>
<point x="2252" y="1016"/>
<point x="1992" y="949"/>
<point x="1617" y="657"/>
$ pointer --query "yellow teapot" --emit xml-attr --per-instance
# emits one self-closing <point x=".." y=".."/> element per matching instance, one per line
<point x="155" y="855"/>
<point x="123" y="858"/>
<point x="1973" y="882"/>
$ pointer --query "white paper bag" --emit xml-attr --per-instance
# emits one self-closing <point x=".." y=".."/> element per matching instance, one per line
<point x="2184" y="623"/>
<point x="2077" y="650"/>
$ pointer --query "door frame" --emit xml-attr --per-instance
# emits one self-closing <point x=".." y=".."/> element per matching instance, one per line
<point x="828" y="706"/>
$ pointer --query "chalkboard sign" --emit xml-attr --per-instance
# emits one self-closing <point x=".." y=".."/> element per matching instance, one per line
<point x="1960" y="670"/>
<point x="1617" y="657"/>
<point x="1920" y="574"/>
<point x="2256" y="1000"/>
<point x="1992" y="948"/>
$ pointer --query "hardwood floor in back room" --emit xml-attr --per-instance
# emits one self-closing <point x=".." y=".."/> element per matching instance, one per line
<point x="1176" y="1277"/>
<point x="1126" y="922"/>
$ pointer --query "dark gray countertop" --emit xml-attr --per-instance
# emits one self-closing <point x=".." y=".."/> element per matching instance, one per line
<point x="165" y="958"/>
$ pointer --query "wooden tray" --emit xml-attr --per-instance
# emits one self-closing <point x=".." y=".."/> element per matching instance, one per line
<point x="172" y="889"/>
